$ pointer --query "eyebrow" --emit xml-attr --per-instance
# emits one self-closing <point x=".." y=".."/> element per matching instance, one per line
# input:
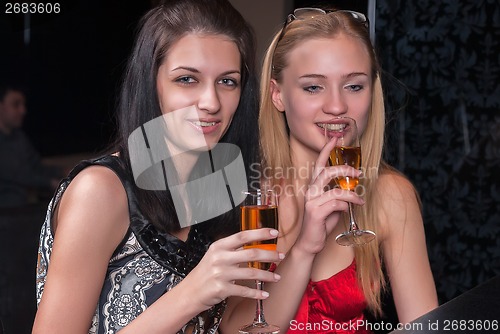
<point x="354" y="74"/>
<point x="187" y="68"/>
<point x="194" y="70"/>
<point x="344" y="76"/>
<point x="314" y="76"/>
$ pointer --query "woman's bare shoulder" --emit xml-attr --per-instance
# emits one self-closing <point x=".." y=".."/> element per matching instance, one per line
<point x="97" y="196"/>
<point x="100" y="180"/>
<point x="398" y="202"/>
<point x="393" y="185"/>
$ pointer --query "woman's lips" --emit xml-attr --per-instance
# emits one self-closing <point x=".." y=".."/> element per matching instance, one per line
<point x="332" y="126"/>
<point x="331" y="129"/>
<point x="205" y="126"/>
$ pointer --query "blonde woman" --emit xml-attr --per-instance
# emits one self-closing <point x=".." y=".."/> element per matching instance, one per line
<point x="322" y="65"/>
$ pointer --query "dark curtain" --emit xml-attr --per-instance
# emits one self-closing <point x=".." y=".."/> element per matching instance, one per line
<point x="443" y="83"/>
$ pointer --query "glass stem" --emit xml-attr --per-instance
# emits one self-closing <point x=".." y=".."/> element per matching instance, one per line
<point x="259" y="311"/>
<point x="352" y="222"/>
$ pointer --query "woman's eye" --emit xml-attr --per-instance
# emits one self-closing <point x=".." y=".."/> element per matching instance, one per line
<point x="229" y="82"/>
<point x="354" y="88"/>
<point x="312" y="89"/>
<point x="185" y="80"/>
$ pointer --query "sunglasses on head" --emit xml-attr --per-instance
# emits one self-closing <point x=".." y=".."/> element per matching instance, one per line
<point x="309" y="13"/>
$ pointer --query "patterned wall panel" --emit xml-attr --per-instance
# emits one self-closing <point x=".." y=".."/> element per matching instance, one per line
<point x="442" y="60"/>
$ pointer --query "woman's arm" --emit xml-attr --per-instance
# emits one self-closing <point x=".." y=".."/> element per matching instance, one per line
<point x="89" y="223"/>
<point x="92" y="219"/>
<point x="210" y="282"/>
<point x="404" y="248"/>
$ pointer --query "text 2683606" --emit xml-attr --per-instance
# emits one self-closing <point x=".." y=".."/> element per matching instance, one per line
<point x="32" y="8"/>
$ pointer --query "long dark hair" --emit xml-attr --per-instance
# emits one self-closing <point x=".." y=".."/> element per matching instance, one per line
<point x="159" y="29"/>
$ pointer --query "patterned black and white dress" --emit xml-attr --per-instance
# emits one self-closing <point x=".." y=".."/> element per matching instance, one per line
<point x="146" y="264"/>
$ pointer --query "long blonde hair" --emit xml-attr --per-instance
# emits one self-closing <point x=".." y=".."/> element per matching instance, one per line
<point x="274" y="138"/>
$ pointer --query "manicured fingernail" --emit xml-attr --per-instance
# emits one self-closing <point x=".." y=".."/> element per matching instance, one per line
<point x="277" y="277"/>
<point x="281" y="256"/>
<point x="265" y="294"/>
<point x="274" y="232"/>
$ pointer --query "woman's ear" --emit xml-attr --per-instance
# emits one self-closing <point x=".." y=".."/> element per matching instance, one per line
<point x="276" y="95"/>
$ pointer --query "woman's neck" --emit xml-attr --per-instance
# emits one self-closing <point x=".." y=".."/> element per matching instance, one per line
<point x="183" y="165"/>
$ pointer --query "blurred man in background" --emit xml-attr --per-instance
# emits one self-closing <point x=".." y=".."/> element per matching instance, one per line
<point x="23" y="177"/>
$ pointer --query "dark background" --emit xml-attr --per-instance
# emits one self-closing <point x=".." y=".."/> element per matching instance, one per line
<point x="71" y="68"/>
<point x="442" y="78"/>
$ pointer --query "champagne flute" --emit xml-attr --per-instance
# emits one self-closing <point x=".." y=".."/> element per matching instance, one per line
<point x="259" y="210"/>
<point x="347" y="151"/>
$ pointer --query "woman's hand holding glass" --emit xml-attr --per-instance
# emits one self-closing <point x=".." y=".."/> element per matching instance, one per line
<point x="324" y="205"/>
<point x="347" y="152"/>
<point x="225" y="262"/>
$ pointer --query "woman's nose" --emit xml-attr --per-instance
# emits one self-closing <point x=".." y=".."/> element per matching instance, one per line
<point x="209" y="100"/>
<point x="335" y="103"/>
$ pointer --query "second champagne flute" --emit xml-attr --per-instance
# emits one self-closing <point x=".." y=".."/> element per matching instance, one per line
<point x="259" y="210"/>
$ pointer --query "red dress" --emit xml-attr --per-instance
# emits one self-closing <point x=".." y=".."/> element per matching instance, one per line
<point x="334" y="305"/>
